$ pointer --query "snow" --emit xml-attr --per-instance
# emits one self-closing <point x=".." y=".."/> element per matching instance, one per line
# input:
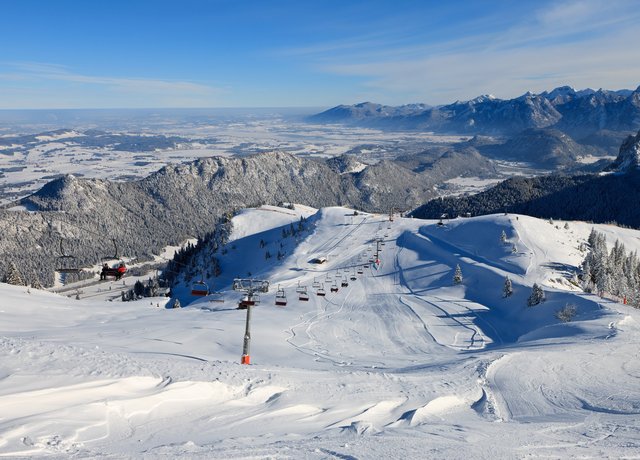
<point x="59" y="136"/>
<point x="401" y="363"/>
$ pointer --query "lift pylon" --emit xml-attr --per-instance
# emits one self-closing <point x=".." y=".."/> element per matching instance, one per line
<point x="250" y="287"/>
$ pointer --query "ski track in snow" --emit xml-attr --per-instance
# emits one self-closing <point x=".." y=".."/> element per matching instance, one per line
<point x="399" y="363"/>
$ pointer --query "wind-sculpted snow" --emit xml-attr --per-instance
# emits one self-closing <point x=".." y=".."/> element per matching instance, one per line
<point x="402" y="362"/>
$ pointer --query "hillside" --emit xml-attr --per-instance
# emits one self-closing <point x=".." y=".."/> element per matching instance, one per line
<point x="401" y="362"/>
<point x="183" y="201"/>
<point x="592" y="197"/>
<point x="549" y="148"/>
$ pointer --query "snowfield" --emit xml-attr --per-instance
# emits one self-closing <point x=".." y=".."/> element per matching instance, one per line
<point x="401" y="363"/>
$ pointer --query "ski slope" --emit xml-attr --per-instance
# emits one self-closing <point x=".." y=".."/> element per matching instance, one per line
<point x="400" y="363"/>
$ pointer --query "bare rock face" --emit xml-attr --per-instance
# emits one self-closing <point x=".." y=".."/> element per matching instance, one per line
<point x="629" y="156"/>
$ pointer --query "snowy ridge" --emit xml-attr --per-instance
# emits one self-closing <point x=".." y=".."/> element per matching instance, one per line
<point x="401" y="362"/>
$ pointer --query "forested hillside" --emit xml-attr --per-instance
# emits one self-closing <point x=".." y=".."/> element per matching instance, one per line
<point x="183" y="201"/>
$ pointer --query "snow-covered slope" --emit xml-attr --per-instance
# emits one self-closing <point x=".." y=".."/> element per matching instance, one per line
<point x="402" y="362"/>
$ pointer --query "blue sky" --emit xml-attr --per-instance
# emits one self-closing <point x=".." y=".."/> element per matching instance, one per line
<point x="197" y="53"/>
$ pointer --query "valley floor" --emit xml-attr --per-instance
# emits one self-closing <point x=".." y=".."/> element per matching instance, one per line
<point x="401" y="363"/>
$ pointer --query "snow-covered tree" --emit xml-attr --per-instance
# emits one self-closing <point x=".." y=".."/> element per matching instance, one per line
<point x="503" y="237"/>
<point x="35" y="281"/>
<point x="566" y="313"/>
<point x="457" y="276"/>
<point x="13" y="276"/>
<point x="536" y="297"/>
<point x="176" y="303"/>
<point x="593" y="236"/>
<point x="507" y="290"/>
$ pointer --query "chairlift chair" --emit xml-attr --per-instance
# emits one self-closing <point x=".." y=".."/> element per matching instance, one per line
<point x="344" y="282"/>
<point x="248" y="301"/>
<point x="66" y="262"/>
<point x="300" y="288"/>
<point x="281" y="298"/>
<point x="353" y="276"/>
<point x="321" y="292"/>
<point x="360" y="270"/>
<point x="303" y="295"/>
<point x="316" y="284"/>
<point x="115" y="255"/>
<point x="116" y="272"/>
<point x="199" y="289"/>
<point x="334" y="287"/>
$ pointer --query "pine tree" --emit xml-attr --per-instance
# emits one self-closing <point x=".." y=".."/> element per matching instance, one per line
<point x="585" y="274"/>
<point x="35" y="283"/>
<point x="536" y="297"/>
<point x="593" y="236"/>
<point x="138" y="289"/>
<point x="567" y="313"/>
<point x="507" y="290"/>
<point x="13" y="276"/>
<point x="176" y="303"/>
<point x="503" y="237"/>
<point x="457" y="276"/>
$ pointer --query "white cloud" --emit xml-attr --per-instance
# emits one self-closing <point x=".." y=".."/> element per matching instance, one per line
<point x="72" y="88"/>
<point x="580" y="43"/>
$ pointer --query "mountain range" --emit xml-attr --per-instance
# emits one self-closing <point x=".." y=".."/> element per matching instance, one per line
<point x="579" y="113"/>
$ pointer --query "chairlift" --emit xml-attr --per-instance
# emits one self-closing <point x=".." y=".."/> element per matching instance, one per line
<point x="321" y="292"/>
<point x="199" y="288"/>
<point x="344" y="282"/>
<point x="334" y="287"/>
<point x="248" y="301"/>
<point x="300" y="288"/>
<point x="303" y="295"/>
<point x="328" y="278"/>
<point x="281" y="298"/>
<point x="360" y="270"/>
<point x="66" y="262"/>
<point x="353" y="276"/>
<point x="116" y="272"/>
<point x="315" y="284"/>
<point x="115" y="255"/>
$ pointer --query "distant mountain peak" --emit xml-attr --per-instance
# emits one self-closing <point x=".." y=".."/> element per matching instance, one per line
<point x="629" y="156"/>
